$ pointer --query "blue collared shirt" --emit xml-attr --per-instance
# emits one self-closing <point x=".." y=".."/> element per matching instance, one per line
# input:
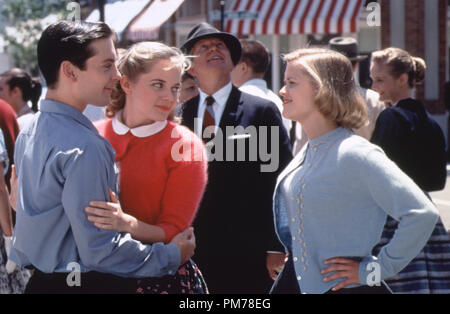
<point x="62" y="164"/>
<point x="332" y="200"/>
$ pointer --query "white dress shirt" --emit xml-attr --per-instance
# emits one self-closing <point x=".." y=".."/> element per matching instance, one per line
<point x="220" y="98"/>
<point x="258" y="87"/>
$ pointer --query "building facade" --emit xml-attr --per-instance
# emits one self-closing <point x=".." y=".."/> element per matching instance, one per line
<point x="421" y="27"/>
<point x="418" y="26"/>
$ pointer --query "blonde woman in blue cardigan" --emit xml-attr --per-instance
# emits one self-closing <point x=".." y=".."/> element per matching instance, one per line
<point x="332" y="200"/>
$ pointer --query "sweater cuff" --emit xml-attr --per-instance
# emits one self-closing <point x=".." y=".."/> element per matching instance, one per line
<point x="369" y="271"/>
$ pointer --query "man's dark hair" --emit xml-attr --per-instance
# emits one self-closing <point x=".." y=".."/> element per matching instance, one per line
<point x="67" y="41"/>
<point x="256" y="55"/>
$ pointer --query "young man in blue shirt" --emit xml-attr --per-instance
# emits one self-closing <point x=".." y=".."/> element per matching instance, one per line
<point x="62" y="163"/>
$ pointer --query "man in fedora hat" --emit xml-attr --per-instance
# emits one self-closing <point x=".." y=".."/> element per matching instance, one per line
<point x="349" y="47"/>
<point x="234" y="225"/>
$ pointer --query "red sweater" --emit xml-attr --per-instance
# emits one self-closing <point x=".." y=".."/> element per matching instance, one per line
<point x="155" y="187"/>
<point x="10" y="128"/>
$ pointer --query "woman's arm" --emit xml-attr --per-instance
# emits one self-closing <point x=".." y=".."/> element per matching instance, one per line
<point x="185" y="185"/>
<point x="146" y="233"/>
<point x="5" y="208"/>
<point x="403" y="200"/>
<point x="184" y="190"/>
<point x="110" y="216"/>
<point x="13" y="184"/>
<point x="395" y="193"/>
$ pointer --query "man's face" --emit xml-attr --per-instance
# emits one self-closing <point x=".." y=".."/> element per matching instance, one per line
<point x="96" y="81"/>
<point x="212" y="56"/>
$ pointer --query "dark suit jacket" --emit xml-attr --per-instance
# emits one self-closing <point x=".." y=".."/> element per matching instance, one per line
<point x="234" y="226"/>
<point x="414" y="141"/>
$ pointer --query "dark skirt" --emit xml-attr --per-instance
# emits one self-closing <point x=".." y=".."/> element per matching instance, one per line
<point x="286" y="284"/>
<point x="429" y="272"/>
<point x="187" y="280"/>
<point x="15" y="282"/>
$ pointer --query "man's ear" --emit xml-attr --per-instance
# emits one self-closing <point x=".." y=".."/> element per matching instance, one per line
<point x="244" y="67"/>
<point x="68" y="70"/>
<point x="240" y="66"/>
<point x="404" y="79"/>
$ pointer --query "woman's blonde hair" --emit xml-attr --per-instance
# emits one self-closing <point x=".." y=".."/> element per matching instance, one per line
<point x="331" y="74"/>
<point x="401" y="62"/>
<point x="139" y="59"/>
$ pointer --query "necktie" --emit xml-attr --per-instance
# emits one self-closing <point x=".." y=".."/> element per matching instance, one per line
<point x="208" y="117"/>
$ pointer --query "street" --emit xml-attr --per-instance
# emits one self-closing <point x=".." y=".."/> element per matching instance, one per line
<point x="442" y="201"/>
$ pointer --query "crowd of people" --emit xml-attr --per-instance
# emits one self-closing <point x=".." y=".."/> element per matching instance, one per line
<point x="135" y="200"/>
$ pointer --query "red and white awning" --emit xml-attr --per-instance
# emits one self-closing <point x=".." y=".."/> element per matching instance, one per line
<point x="146" y="25"/>
<point x="285" y="17"/>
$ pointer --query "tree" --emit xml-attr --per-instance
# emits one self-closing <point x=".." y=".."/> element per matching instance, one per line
<point x="25" y="20"/>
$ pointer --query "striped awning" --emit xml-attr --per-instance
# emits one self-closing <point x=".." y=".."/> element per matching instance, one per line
<point x="146" y="26"/>
<point x="285" y="17"/>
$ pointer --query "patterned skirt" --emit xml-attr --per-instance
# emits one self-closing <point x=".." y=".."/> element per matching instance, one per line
<point x="15" y="282"/>
<point x="187" y="280"/>
<point x="429" y="272"/>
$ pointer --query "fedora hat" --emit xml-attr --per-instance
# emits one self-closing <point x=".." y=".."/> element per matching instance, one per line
<point x="205" y="30"/>
<point x="347" y="46"/>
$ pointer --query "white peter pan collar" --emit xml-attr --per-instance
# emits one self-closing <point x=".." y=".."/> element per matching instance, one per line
<point x="140" y="131"/>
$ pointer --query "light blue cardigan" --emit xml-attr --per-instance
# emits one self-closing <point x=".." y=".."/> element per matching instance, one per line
<point x="332" y="201"/>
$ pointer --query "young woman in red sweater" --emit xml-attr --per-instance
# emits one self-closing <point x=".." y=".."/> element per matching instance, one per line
<point x="162" y="165"/>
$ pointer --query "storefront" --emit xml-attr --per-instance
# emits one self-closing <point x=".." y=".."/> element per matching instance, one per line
<point x="418" y="26"/>
<point x="287" y="25"/>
